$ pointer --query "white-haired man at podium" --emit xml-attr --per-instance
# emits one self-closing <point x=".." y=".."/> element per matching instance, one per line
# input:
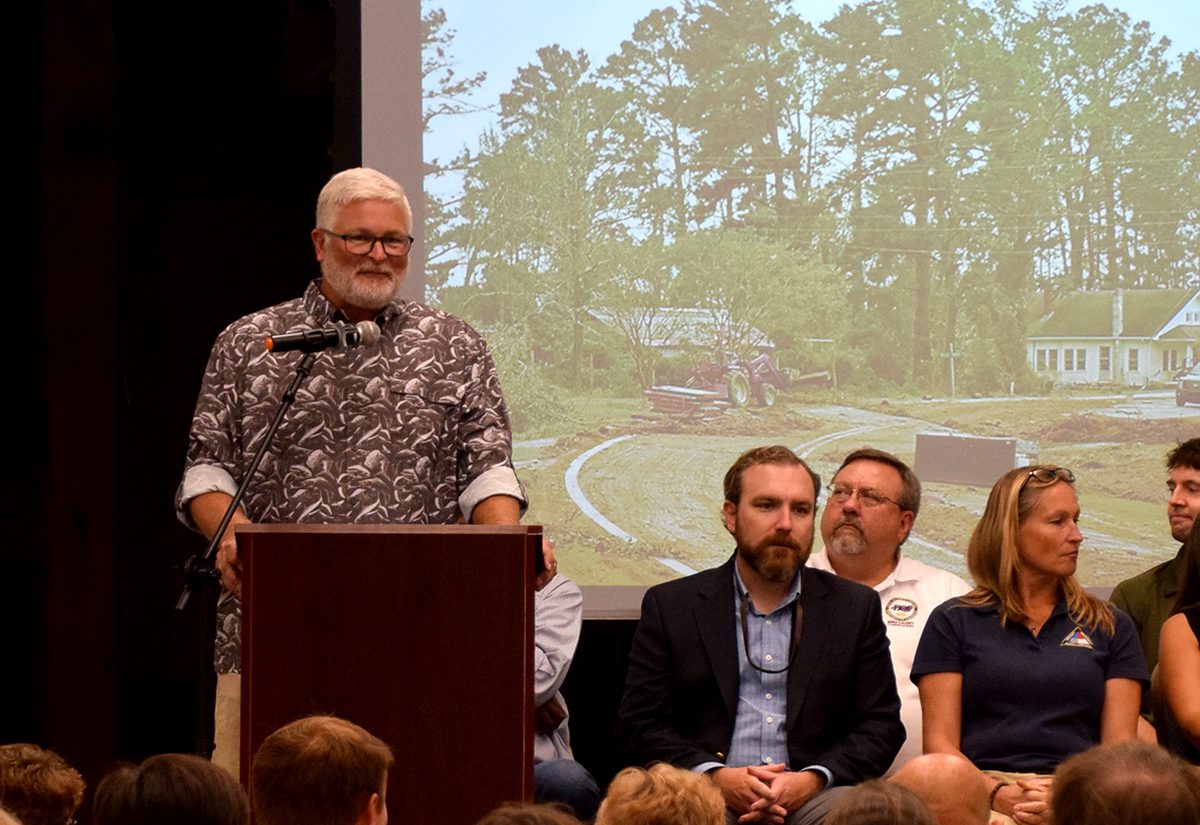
<point x="410" y="429"/>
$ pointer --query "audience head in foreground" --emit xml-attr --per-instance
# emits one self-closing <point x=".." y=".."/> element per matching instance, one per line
<point x="174" y="787"/>
<point x="37" y="786"/>
<point x="529" y="813"/>
<point x="879" y="802"/>
<point x="1126" y="783"/>
<point x="661" y="795"/>
<point x="320" y="770"/>
<point x="949" y="786"/>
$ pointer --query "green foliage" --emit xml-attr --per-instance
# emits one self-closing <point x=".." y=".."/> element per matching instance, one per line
<point x="904" y="180"/>
<point x="536" y="405"/>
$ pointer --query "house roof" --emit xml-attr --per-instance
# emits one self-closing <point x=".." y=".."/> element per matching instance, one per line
<point x="1182" y="332"/>
<point x="682" y="326"/>
<point x="1090" y="314"/>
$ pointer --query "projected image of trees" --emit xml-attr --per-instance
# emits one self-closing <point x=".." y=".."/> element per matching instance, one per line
<point x="916" y="217"/>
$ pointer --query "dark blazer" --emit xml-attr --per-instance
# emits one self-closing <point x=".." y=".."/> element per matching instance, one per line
<point x="682" y="687"/>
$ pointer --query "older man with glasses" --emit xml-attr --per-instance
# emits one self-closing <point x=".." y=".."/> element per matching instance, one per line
<point x="410" y="428"/>
<point x="770" y="677"/>
<point x="873" y="502"/>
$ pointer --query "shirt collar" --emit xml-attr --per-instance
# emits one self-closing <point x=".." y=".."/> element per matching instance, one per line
<point x="993" y="606"/>
<point x="792" y="594"/>
<point x="904" y="571"/>
<point x="319" y="307"/>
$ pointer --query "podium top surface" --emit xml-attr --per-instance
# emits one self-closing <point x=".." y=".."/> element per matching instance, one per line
<point x="376" y="529"/>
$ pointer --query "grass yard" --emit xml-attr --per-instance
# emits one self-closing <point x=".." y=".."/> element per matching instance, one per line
<point x="659" y="480"/>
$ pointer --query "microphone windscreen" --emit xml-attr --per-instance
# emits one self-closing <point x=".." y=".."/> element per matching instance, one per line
<point x="368" y="332"/>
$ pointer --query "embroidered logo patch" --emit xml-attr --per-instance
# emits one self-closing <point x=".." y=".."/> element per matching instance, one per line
<point x="1077" y="638"/>
<point x="901" y="610"/>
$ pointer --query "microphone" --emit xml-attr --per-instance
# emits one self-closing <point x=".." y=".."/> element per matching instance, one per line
<point x="339" y="336"/>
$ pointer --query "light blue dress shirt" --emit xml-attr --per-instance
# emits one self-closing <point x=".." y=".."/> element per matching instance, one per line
<point x="759" y="732"/>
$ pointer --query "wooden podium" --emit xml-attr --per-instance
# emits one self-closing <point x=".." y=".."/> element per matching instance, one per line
<point x="423" y="635"/>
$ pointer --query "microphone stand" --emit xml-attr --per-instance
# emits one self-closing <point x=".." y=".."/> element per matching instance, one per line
<point x="198" y="570"/>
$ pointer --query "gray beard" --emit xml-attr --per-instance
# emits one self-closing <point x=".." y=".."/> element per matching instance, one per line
<point x="359" y="294"/>
<point x="847" y="543"/>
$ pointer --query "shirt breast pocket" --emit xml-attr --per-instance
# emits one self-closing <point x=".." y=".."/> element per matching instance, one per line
<point x="425" y="410"/>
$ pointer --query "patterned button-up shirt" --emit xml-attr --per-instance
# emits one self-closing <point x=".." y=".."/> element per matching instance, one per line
<point x="412" y="430"/>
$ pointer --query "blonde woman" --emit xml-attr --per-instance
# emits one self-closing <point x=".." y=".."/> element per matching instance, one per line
<point x="1028" y="668"/>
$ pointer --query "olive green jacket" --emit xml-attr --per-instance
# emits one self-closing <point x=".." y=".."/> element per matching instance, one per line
<point x="1148" y="598"/>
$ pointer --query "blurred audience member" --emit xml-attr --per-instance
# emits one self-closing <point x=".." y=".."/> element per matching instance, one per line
<point x="529" y="813"/>
<point x="1126" y="783"/>
<point x="320" y="770"/>
<point x="37" y="786"/>
<point x="661" y="795"/>
<point x="949" y="786"/>
<point x="175" y="788"/>
<point x="879" y="802"/>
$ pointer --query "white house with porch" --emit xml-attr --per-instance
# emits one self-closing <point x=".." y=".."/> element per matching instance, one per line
<point x="1129" y="337"/>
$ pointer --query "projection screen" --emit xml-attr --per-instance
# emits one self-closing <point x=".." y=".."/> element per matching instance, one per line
<point x="964" y="233"/>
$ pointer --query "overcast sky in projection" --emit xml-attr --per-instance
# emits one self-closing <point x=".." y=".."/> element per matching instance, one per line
<point x="499" y="38"/>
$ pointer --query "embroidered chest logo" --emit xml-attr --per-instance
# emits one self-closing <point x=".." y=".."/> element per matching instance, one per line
<point x="1077" y="638"/>
<point x="900" y="611"/>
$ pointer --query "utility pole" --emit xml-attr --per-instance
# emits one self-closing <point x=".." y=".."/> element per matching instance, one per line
<point x="950" y="355"/>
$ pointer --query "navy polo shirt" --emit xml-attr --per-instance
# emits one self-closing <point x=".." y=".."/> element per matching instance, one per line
<point x="1027" y="702"/>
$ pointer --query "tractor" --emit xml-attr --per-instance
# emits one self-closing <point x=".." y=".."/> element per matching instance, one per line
<point x="738" y="380"/>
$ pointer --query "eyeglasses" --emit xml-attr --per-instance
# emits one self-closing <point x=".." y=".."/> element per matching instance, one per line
<point x="363" y="244"/>
<point x="1048" y="475"/>
<point x="840" y="494"/>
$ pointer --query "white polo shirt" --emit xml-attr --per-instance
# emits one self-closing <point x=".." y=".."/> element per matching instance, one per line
<point x="908" y="596"/>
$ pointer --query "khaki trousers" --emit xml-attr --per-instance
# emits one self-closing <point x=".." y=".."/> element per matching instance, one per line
<point x="227" y="718"/>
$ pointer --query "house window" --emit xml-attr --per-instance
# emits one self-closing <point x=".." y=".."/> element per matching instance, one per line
<point x="1068" y="359"/>
<point x="1041" y="360"/>
<point x="1081" y="359"/>
<point x="1134" y="361"/>
<point x="1052" y="359"/>
<point x="1170" y="360"/>
<point x="1105" y="359"/>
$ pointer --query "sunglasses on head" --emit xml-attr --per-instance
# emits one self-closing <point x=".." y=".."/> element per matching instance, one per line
<point x="1049" y="475"/>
